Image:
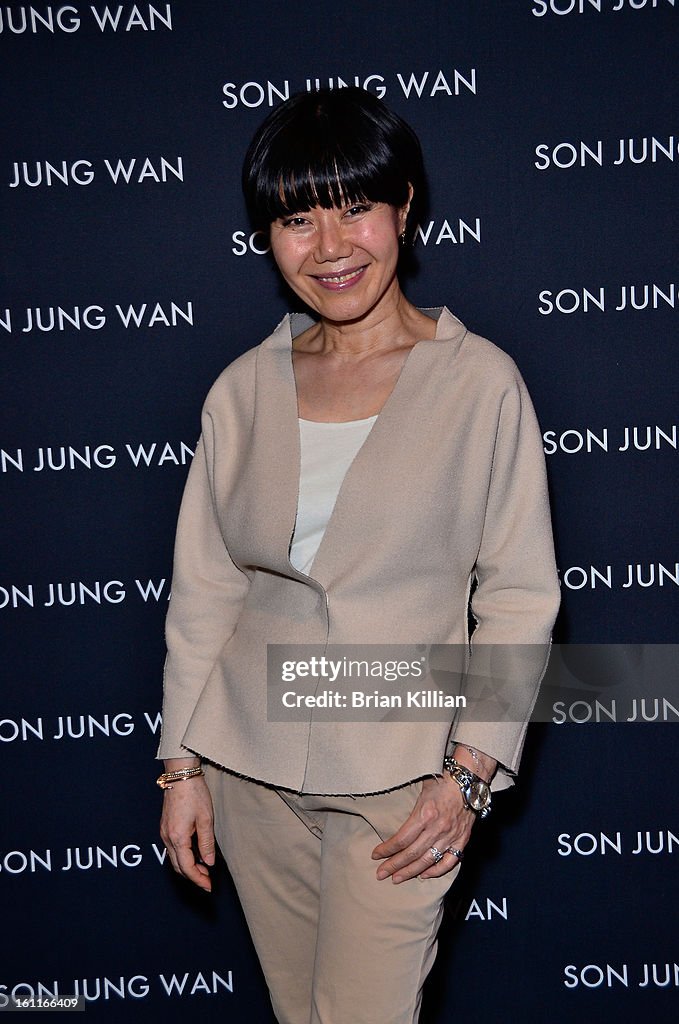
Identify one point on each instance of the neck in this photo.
(394, 323)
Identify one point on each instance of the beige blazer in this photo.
(448, 488)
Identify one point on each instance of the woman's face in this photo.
(342, 261)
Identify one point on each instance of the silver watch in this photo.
(475, 791)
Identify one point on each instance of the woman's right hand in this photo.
(187, 811)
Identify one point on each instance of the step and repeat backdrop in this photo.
(551, 139)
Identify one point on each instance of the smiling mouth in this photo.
(340, 279)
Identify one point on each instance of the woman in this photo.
(358, 473)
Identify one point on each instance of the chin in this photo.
(342, 307)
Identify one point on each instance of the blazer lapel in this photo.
(370, 480)
(273, 468)
(274, 460)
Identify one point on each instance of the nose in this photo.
(332, 242)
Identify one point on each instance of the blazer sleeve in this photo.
(208, 591)
(516, 596)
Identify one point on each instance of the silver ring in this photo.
(436, 854)
(456, 853)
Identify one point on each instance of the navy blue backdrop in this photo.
(551, 138)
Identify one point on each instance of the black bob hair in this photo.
(329, 148)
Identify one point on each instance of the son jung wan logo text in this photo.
(78, 593)
(562, 7)
(440, 231)
(57, 458)
(136, 986)
(649, 149)
(92, 317)
(625, 298)
(22, 19)
(573, 441)
(413, 85)
(634, 575)
(109, 724)
(118, 170)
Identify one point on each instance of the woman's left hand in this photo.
(439, 820)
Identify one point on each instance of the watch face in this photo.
(479, 796)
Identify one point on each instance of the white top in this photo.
(326, 452)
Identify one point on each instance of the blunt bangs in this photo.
(329, 148)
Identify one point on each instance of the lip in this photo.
(341, 280)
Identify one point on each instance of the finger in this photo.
(205, 837)
(169, 847)
(408, 834)
(196, 873)
(414, 868)
(421, 859)
(422, 816)
(435, 865)
(448, 862)
(419, 848)
(182, 857)
(417, 854)
(172, 857)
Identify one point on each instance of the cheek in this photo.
(384, 235)
(286, 254)
(384, 243)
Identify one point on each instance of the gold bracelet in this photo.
(180, 775)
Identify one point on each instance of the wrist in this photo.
(475, 760)
(173, 764)
(181, 772)
(475, 790)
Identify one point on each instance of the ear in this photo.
(404, 210)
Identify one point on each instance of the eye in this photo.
(294, 221)
(357, 208)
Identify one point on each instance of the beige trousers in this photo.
(336, 946)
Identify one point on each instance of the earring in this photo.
(402, 237)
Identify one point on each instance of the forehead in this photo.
(310, 190)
